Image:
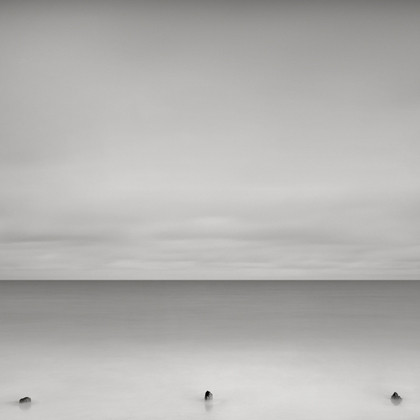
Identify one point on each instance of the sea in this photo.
(121, 350)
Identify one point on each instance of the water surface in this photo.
(137, 350)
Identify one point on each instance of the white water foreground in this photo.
(267, 350)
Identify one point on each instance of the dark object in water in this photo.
(25, 400)
(208, 395)
(395, 398)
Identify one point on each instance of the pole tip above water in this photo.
(395, 398)
(208, 395)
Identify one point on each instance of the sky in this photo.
(209, 140)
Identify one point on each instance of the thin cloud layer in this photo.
(214, 238)
(209, 140)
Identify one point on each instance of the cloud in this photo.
(54, 237)
(143, 140)
(217, 235)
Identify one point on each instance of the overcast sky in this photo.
(209, 139)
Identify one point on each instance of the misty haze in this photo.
(173, 140)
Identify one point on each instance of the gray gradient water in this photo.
(137, 350)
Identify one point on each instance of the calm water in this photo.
(267, 350)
